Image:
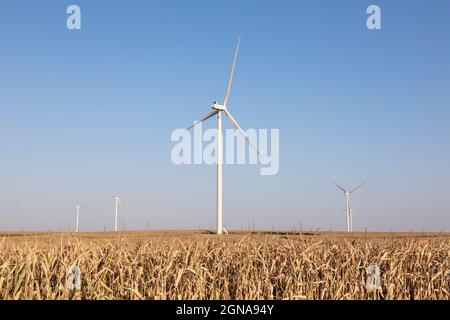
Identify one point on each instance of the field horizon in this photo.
(231, 233)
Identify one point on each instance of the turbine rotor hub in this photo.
(218, 107)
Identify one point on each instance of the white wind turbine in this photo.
(77, 207)
(218, 109)
(348, 209)
(116, 211)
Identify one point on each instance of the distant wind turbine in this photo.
(116, 211)
(348, 209)
(77, 207)
(218, 109)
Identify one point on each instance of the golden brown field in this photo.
(197, 265)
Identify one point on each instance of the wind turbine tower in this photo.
(348, 209)
(219, 110)
(116, 211)
(77, 207)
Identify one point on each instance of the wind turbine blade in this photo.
(339, 186)
(236, 125)
(358, 187)
(230, 80)
(209, 115)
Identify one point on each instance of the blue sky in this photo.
(89, 113)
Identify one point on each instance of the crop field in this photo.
(197, 265)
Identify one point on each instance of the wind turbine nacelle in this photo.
(219, 107)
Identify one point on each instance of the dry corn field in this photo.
(200, 266)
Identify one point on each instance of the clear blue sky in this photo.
(86, 114)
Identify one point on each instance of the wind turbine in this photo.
(117, 205)
(348, 209)
(219, 109)
(77, 207)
